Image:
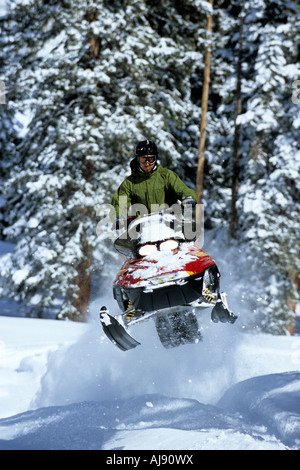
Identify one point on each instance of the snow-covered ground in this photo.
(65, 386)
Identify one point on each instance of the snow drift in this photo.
(234, 391)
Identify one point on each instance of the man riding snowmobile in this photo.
(150, 184)
(153, 186)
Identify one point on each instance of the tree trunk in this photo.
(84, 280)
(201, 159)
(84, 276)
(292, 302)
(236, 142)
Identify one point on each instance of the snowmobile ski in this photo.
(116, 332)
(221, 312)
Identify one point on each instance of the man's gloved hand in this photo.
(119, 223)
(188, 201)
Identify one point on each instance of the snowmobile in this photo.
(165, 276)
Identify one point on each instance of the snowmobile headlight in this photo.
(175, 278)
(168, 245)
(146, 250)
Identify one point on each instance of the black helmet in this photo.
(146, 147)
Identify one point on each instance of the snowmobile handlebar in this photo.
(154, 228)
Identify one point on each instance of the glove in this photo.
(119, 223)
(188, 201)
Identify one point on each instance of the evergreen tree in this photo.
(9, 125)
(269, 193)
(268, 196)
(95, 77)
(220, 116)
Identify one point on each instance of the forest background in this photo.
(83, 81)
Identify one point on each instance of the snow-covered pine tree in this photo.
(270, 191)
(9, 125)
(95, 78)
(51, 190)
(8, 142)
(268, 205)
(220, 116)
(149, 54)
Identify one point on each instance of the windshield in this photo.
(156, 227)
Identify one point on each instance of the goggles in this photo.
(147, 158)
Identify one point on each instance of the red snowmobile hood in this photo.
(186, 261)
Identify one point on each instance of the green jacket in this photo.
(162, 186)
